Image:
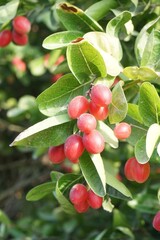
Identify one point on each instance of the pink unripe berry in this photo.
(156, 221)
(94, 200)
(100, 113)
(101, 95)
(77, 106)
(56, 154)
(93, 142)
(21, 24)
(82, 207)
(5, 38)
(122, 130)
(73, 147)
(78, 194)
(19, 39)
(86, 122)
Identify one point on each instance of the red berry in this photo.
(94, 200)
(56, 154)
(19, 39)
(55, 77)
(82, 207)
(21, 24)
(122, 130)
(78, 194)
(93, 142)
(101, 95)
(77, 106)
(5, 38)
(19, 64)
(73, 147)
(100, 113)
(59, 60)
(135, 171)
(156, 221)
(86, 122)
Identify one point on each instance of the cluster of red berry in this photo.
(82, 198)
(21, 27)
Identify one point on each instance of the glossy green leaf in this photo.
(108, 134)
(118, 108)
(126, 231)
(8, 11)
(151, 51)
(63, 187)
(153, 135)
(55, 176)
(100, 9)
(149, 104)
(142, 73)
(140, 151)
(115, 188)
(133, 112)
(52, 131)
(40, 191)
(55, 99)
(142, 39)
(93, 171)
(73, 18)
(90, 64)
(60, 39)
(4, 218)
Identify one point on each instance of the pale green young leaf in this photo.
(142, 73)
(153, 135)
(140, 151)
(8, 11)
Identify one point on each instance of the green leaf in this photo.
(55, 99)
(142, 39)
(126, 231)
(60, 39)
(75, 19)
(153, 135)
(142, 73)
(40, 191)
(115, 188)
(140, 151)
(63, 187)
(133, 112)
(108, 134)
(55, 176)
(158, 149)
(4, 218)
(149, 104)
(8, 11)
(49, 132)
(100, 9)
(118, 108)
(151, 51)
(93, 171)
(107, 205)
(36, 66)
(90, 63)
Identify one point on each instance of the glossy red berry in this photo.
(135, 171)
(78, 194)
(19, 39)
(156, 221)
(56, 154)
(100, 113)
(122, 130)
(77, 106)
(21, 24)
(5, 38)
(94, 200)
(82, 207)
(73, 147)
(93, 142)
(101, 95)
(86, 122)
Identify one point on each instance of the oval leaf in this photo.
(118, 108)
(140, 151)
(152, 137)
(40, 191)
(142, 73)
(8, 11)
(60, 39)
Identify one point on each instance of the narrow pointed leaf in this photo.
(90, 64)
(49, 132)
(140, 151)
(73, 18)
(60, 39)
(118, 108)
(153, 135)
(93, 172)
(55, 99)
